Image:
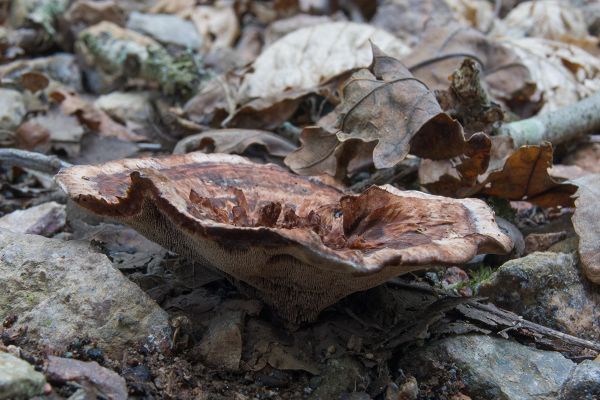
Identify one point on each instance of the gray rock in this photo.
(64, 290)
(547, 288)
(584, 382)
(221, 344)
(12, 109)
(340, 376)
(127, 106)
(18, 379)
(44, 219)
(165, 28)
(492, 368)
(107, 382)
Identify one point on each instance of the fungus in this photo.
(302, 244)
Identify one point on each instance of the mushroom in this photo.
(302, 244)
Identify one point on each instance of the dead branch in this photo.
(31, 160)
(557, 126)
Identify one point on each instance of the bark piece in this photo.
(302, 244)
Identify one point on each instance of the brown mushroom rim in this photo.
(237, 203)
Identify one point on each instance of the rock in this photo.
(127, 106)
(165, 28)
(44, 219)
(221, 344)
(341, 375)
(107, 382)
(18, 379)
(547, 288)
(12, 109)
(584, 382)
(492, 368)
(63, 290)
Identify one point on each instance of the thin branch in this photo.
(558, 126)
(513, 320)
(31, 160)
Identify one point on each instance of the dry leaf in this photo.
(585, 222)
(302, 244)
(234, 141)
(387, 107)
(306, 58)
(34, 81)
(218, 25)
(32, 136)
(407, 19)
(443, 48)
(92, 117)
(519, 175)
(563, 73)
(547, 19)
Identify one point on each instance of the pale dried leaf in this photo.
(563, 73)
(547, 19)
(306, 58)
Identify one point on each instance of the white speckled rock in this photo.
(64, 290)
(18, 379)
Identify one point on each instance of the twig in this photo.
(35, 161)
(513, 320)
(389, 175)
(557, 126)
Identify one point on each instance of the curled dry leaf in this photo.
(548, 19)
(304, 245)
(234, 141)
(519, 175)
(563, 73)
(92, 117)
(385, 107)
(443, 48)
(585, 222)
(306, 58)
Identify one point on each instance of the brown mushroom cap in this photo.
(303, 244)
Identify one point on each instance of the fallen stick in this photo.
(508, 320)
(31, 160)
(558, 126)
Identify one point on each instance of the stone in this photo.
(221, 344)
(584, 382)
(549, 289)
(165, 28)
(492, 368)
(12, 109)
(44, 219)
(127, 106)
(63, 291)
(107, 382)
(18, 379)
(341, 376)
